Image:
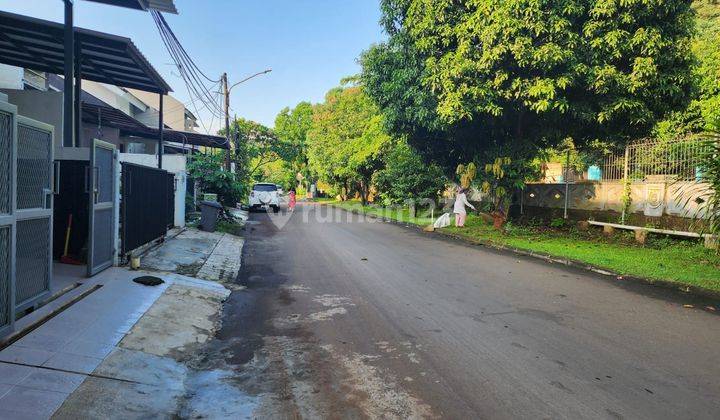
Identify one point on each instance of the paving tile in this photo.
(88, 348)
(52, 380)
(4, 388)
(18, 354)
(39, 404)
(73, 362)
(7, 414)
(43, 341)
(103, 337)
(14, 374)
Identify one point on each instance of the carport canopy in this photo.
(167, 6)
(39, 45)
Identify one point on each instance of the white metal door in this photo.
(101, 176)
(33, 212)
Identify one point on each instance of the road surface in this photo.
(353, 318)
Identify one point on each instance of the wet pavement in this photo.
(350, 319)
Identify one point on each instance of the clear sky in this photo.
(309, 44)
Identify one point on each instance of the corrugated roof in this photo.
(38, 44)
(167, 6)
(95, 111)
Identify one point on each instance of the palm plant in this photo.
(708, 200)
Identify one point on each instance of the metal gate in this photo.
(143, 208)
(8, 117)
(101, 179)
(33, 212)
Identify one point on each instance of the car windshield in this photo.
(264, 187)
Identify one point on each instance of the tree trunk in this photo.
(363, 193)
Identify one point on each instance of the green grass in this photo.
(401, 214)
(685, 262)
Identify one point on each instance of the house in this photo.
(66, 191)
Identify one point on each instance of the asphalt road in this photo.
(352, 319)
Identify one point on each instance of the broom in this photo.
(65, 258)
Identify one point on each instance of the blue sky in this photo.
(309, 44)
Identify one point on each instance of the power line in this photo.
(189, 71)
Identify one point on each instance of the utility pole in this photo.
(226, 92)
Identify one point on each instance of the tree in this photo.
(405, 176)
(346, 140)
(208, 171)
(483, 74)
(256, 147)
(291, 128)
(704, 109)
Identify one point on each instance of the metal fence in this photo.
(144, 205)
(678, 159)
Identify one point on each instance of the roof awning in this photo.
(166, 6)
(38, 45)
(102, 115)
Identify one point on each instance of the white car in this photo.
(265, 195)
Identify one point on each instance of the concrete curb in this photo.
(665, 284)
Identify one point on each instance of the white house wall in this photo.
(11, 77)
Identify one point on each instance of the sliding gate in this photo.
(145, 205)
(26, 161)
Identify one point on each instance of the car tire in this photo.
(276, 209)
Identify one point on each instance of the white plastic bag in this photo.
(442, 221)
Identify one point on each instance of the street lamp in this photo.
(227, 109)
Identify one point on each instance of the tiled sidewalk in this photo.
(223, 264)
(39, 371)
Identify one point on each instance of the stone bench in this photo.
(641, 233)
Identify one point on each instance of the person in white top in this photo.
(459, 208)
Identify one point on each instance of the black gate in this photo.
(144, 205)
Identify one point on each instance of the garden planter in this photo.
(498, 220)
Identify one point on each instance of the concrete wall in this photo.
(653, 199)
(11, 77)
(41, 106)
(180, 191)
(171, 163)
(173, 110)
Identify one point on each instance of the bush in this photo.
(557, 222)
(406, 176)
(208, 171)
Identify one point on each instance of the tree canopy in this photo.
(346, 139)
(291, 128)
(483, 74)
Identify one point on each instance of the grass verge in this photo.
(687, 263)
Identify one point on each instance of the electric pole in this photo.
(226, 92)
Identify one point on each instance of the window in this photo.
(264, 187)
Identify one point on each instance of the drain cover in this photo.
(149, 280)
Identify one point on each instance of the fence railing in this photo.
(678, 159)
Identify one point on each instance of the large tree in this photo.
(291, 127)
(704, 110)
(466, 76)
(346, 140)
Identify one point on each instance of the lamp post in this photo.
(227, 90)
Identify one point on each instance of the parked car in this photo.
(264, 195)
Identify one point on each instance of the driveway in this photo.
(345, 317)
